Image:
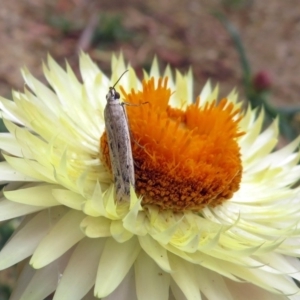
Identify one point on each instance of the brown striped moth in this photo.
(118, 137)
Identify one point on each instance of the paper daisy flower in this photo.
(213, 214)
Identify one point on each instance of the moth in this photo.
(119, 143)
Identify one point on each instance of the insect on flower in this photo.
(120, 152)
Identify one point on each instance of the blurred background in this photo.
(251, 45)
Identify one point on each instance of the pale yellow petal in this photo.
(95, 227)
(115, 262)
(30, 168)
(11, 112)
(125, 290)
(68, 198)
(247, 291)
(38, 195)
(81, 270)
(212, 285)
(44, 281)
(185, 277)
(23, 281)
(118, 232)
(157, 252)
(10, 210)
(8, 174)
(61, 237)
(154, 70)
(26, 239)
(151, 281)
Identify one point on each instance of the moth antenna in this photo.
(119, 79)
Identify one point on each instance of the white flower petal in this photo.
(185, 277)
(43, 93)
(23, 281)
(68, 198)
(88, 69)
(118, 231)
(248, 291)
(8, 174)
(212, 285)
(11, 112)
(118, 67)
(151, 281)
(265, 281)
(182, 97)
(263, 144)
(154, 70)
(38, 195)
(96, 227)
(95, 206)
(90, 296)
(177, 293)
(207, 94)
(10, 210)
(80, 273)
(29, 168)
(45, 280)
(115, 262)
(156, 252)
(62, 237)
(126, 289)
(10, 145)
(28, 236)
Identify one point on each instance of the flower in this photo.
(214, 213)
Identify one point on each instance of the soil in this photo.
(181, 33)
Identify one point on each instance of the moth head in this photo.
(112, 94)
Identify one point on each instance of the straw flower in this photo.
(213, 214)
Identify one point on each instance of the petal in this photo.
(27, 237)
(209, 280)
(125, 290)
(118, 67)
(184, 89)
(23, 281)
(45, 94)
(177, 293)
(118, 232)
(88, 69)
(267, 281)
(44, 281)
(9, 144)
(147, 271)
(29, 168)
(38, 195)
(158, 253)
(115, 262)
(206, 92)
(81, 270)
(135, 221)
(247, 291)
(8, 173)
(62, 237)
(96, 227)
(90, 296)
(95, 207)
(10, 210)
(68, 198)
(154, 70)
(10, 111)
(185, 277)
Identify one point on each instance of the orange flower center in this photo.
(184, 159)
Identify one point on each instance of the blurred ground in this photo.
(181, 33)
